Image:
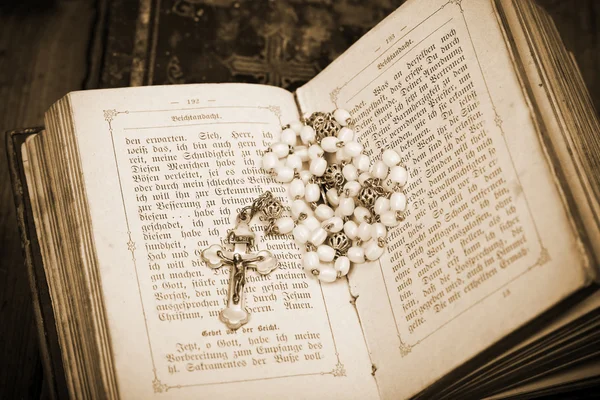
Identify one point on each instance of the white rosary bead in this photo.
(345, 134)
(398, 201)
(356, 254)
(382, 204)
(294, 162)
(353, 148)
(312, 192)
(296, 126)
(298, 208)
(350, 172)
(333, 197)
(399, 175)
(378, 230)
(352, 188)
(351, 230)
(362, 178)
(285, 174)
(341, 116)
(327, 274)
(288, 136)
(346, 206)
(330, 144)
(342, 265)
(388, 218)
(305, 175)
(270, 161)
(284, 225)
(362, 162)
(318, 236)
(326, 253)
(364, 231)
(318, 166)
(379, 170)
(341, 156)
(280, 149)
(296, 189)
(323, 212)
(311, 262)
(373, 250)
(311, 223)
(333, 224)
(361, 214)
(391, 158)
(301, 234)
(307, 134)
(315, 151)
(302, 152)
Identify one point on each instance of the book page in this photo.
(166, 170)
(487, 243)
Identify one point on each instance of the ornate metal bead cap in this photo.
(324, 125)
(340, 243)
(333, 177)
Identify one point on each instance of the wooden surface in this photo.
(44, 53)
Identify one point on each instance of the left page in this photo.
(166, 170)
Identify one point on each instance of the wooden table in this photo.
(45, 52)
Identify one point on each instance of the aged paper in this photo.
(166, 170)
(487, 244)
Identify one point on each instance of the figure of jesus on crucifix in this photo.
(239, 259)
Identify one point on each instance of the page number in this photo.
(390, 38)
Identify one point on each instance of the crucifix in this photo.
(238, 260)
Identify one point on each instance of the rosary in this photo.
(342, 206)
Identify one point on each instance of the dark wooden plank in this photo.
(43, 53)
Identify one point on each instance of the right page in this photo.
(488, 243)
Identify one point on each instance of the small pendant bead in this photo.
(327, 274)
(345, 134)
(388, 218)
(346, 206)
(330, 144)
(302, 152)
(311, 223)
(311, 262)
(362, 163)
(323, 212)
(306, 176)
(296, 126)
(379, 170)
(318, 166)
(382, 204)
(284, 225)
(332, 197)
(363, 177)
(296, 189)
(362, 214)
(341, 116)
(398, 201)
(350, 172)
(294, 162)
(373, 251)
(342, 265)
(307, 134)
(356, 254)
(342, 157)
(301, 234)
(326, 253)
(285, 174)
(280, 149)
(318, 236)
(364, 231)
(288, 136)
(353, 148)
(399, 175)
(299, 208)
(351, 230)
(312, 192)
(378, 231)
(270, 161)
(352, 188)
(391, 158)
(315, 151)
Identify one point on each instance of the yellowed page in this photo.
(487, 244)
(166, 169)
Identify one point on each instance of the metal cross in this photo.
(239, 259)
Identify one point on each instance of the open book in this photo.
(486, 289)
